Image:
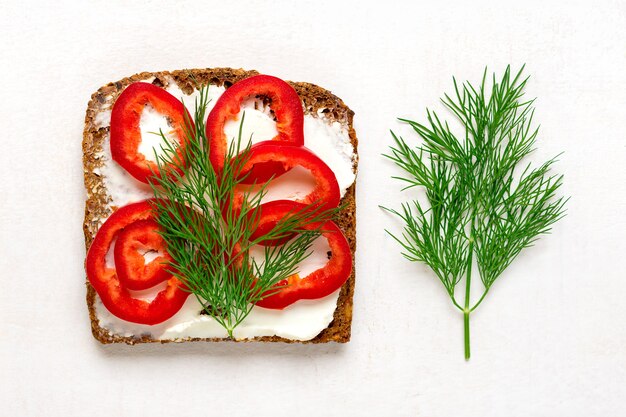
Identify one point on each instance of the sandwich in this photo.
(156, 268)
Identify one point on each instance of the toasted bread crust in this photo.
(97, 208)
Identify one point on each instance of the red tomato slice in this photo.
(287, 108)
(126, 133)
(114, 294)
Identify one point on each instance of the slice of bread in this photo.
(315, 100)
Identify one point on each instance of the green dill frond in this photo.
(480, 208)
(210, 250)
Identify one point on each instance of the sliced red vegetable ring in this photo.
(137, 238)
(269, 214)
(319, 283)
(287, 108)
(114, 294)
(126, 133)
(326, 191)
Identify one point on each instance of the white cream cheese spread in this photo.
(304, 319)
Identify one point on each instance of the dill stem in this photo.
(466, 310)
(466, 332)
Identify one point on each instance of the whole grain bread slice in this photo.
(97, 208)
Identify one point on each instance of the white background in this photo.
(550, 340)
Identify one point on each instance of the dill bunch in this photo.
(483, 205)
(209, 241)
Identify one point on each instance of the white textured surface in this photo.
(549, 341)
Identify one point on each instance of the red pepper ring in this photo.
(126, 133)
(319, 283)
(287, 108)
(271, 213)
(130, 264)
(113, 293)
(326, 191)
